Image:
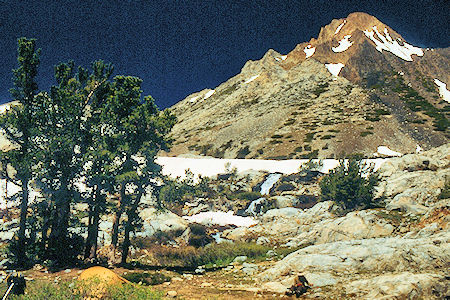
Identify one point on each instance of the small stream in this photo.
(268, 184)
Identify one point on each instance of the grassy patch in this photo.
(213, 254)
(250, 196)
(74, 290)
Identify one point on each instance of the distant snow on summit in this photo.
(334, 68)
(309, 51)
(385, 42)
(339, 27)
(344, 44)
(251, 78)
(445, 94)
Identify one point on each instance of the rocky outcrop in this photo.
(413, 183)
(346, 263)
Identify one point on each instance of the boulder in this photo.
(405, 285)
(249, 269)
(376, 255)
(287, 212)
(284, 201)
(161, 221)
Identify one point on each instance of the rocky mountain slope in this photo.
(357, 86)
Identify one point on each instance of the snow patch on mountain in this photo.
(344, 44)
(309, 51)
(334, 68)
(445, 94)
(385, 42)
(251, 78)
(281, 58)
(383, 150)
(209, 94)
(339, 27)
(202, 97)
(194, 99)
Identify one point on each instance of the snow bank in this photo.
(221, 218)
(339, 27)
(309, 51)
(385, 42)
(209, 167)
(334, 68)
(445, 94)
(386, 151)
(344, 44)
(251, 78)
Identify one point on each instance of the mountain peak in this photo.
(357, 86)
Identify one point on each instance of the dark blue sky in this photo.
(180, 47)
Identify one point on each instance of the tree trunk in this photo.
(126, 240)
(120, 207)
(132, 214)
(21, 242)
(94, 219)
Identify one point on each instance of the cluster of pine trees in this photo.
(89, 127)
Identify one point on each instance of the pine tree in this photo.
(71, 107)
(350, 185)
(20, 124)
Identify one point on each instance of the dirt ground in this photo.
(221, 284)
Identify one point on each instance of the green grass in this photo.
(210, 255)
(74, 290)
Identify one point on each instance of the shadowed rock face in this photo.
(291, 106)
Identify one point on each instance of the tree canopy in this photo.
(89, 130)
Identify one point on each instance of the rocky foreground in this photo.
(399, 250)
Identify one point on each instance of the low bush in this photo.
(250, 196)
